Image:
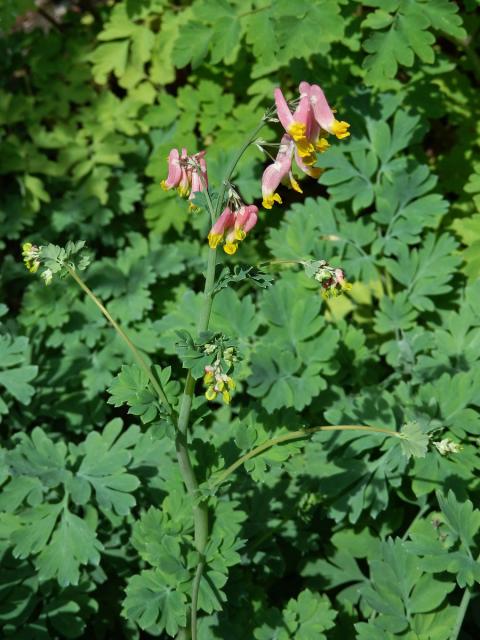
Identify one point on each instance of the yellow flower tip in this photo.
(33, 267)
(306, 150)
(347, 286)
(231, 383)
(208, 378)
(322, 145)
(340, 129)
(294, 185)
(270, 200)
(164, 185)
(240, 234)
(230, 248)
(220, 385)
(226, 397)
(210, 394)
(26, 247)
(214, 239)
(298, 131)
(183, 192)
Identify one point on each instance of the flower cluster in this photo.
(232, 226)
(307, 124)
(187, 174)
(31, 258)
(332, 280)
(306, 130)
(216, 378)
(446, 446)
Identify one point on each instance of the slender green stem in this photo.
(211, 208)
(462, 610)
(195, 591)
(234, 162)
(268, 262)
(295, 435)
(139, 359)
(200, 513)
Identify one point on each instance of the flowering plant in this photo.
(214, 356)
(157, 477)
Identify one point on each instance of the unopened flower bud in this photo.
(209, 348)
(47, 276)
(210, 394)
(446, 446)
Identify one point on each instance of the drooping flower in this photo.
(280, 171)
(276, 172)
(186, 173)
(233, 225)
(245, 219)
(325, 116)
(306, 130)
(174, 171)
(217, 382)
(31, 254)
(297, 124)
(32, 258)
(199, 176)
(224, 222)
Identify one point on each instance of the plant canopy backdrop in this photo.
(200, 437)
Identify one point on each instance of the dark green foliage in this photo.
(338, 535)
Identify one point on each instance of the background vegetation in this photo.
(343, 537)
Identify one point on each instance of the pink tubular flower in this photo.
(296, 125)
(232, 227)
(276, 172)
(187, 174)
(224, 222)
(313, 172)
(307, 128)
(199, 176)
(245, 219)
(183, 187)
(174, 171)
(324, 114)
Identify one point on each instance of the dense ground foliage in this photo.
(341, 536)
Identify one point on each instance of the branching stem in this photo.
(295, 435)
(139, 359)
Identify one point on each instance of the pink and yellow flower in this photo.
(324, 115)
(297, 124)
(275, 173)
(232, 227)
(187, 174)
(306, 129)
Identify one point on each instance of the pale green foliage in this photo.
(402, 33)
(414, 441)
